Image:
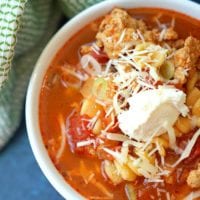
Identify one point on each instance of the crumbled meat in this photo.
(119, 30)
(85, 49)
(188, 55)
(180, 75)
(193, 179)
(118, 20)
(170, 34)
(156, 35)
(116, 26)
(198, 66)
(177, 44)
(151, 35)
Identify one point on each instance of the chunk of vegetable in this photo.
(86, 89)
(90, 108)
(167, 70)
(78, 131)
(98, 88)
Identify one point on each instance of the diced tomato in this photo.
(100, 56)
(78, 131)
(78, 128)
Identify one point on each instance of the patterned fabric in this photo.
(73, 7)
(25, 28)
(10, 14)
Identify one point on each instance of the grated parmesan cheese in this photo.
(92, 121)
(85, 143)
(162, 34)
(121, 37)
(186, 152)
(140, 35)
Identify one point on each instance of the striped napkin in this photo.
(25, 28)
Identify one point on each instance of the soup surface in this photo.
(120, 107)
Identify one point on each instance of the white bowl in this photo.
(60, 38)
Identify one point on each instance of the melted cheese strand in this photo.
(64, 129)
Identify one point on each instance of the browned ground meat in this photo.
(187, 56)
(119, 30)
(85, 49)
(115, 25)
(170, 34)
(177, 44)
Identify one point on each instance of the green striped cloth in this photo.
(25, 28)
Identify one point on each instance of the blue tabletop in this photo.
(20, 176)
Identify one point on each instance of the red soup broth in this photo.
(55, 99)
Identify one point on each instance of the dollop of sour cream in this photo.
(151, 111)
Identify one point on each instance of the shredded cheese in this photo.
(140, 35)
(92, 121)
(115, 154)
(186, 152)
(63, 136)
(121, 37)
(63, 127)
(116, 137)
(85, 143)
(162, 34)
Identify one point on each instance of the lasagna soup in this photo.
(120, 107)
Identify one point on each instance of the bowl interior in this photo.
(60, 38)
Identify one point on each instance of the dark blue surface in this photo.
(20, 176)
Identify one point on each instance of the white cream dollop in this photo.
(151, 111)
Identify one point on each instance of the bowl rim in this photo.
(54, 45)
